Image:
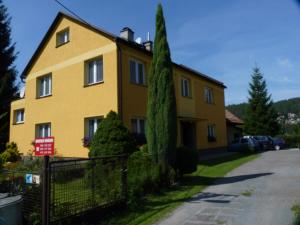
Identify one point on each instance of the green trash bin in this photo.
(11, 210)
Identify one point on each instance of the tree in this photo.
(8, 74)
(111, 138)
(161, 110)
(261, 117)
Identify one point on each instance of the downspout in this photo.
(119, 80)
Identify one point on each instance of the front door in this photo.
(188, 134)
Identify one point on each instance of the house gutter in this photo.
(119, 79)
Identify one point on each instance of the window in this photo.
(139, 130)
(137, 72)
(211, 132)
(208, 92)
(92, 126)
(19, 116)
(62, 37)
(185, 87)
(43, 130)
(44, 85)
(94, 71)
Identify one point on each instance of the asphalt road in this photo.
(260, 192)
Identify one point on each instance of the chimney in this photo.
(127, 34)
(148, 45)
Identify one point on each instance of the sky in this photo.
(223, 39)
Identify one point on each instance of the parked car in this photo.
(278, 143)
(265, 142)
(244, 144)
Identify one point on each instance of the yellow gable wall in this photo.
(134, 100)
(70, 102)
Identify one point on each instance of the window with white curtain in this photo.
(45, 85)
(137, 72)
(19, 116)
(209, 98)
(94, 71)
(92, 125)
(62, 37)
(43, 130)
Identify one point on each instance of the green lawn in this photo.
(155, 207)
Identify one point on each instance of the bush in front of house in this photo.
(186, 161)
(111, 138)
(143, 176)
(11, 153)
(292, 141)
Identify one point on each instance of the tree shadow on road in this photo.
(202, 180)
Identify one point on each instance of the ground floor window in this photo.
(43, 130)
(211, 132)
(138, 126)
(92, 126)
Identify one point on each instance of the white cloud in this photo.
(285, 63)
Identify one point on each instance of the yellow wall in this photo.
(70, 102)
(134, 98)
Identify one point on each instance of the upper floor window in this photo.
(137, 72)
(185, 87)
(211, 132)
(62, 37)
(43, 130)
(19, 116)
(209, 97)
(44, 84)
(94, 71)
(92, 125)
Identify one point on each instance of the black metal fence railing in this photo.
(80, 185)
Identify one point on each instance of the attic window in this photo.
(62, 37)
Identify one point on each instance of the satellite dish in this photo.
(22, 92)
(138, 40)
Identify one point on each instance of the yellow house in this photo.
(79, 73)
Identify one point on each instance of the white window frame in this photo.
(138, 125)
(96, 121)
(135, 78)
(19, 116)
(94, 63)
(211, 130)
(62, 37)
(185, 87)
(209, 97)
(43, 130)
(44, 83)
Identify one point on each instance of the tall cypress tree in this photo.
(161, 110)
(261, 117)
(8, 74)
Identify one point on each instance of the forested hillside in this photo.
(284, 107)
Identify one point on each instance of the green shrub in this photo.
(186, 160)
(292, 141)
(11, 153)
(143, 176)
(111, 138)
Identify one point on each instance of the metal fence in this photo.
(74, 188)
(81, 185)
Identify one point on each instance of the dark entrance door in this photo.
(188, 134)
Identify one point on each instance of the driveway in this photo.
(260, 192)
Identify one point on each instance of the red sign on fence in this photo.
(44, 146)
